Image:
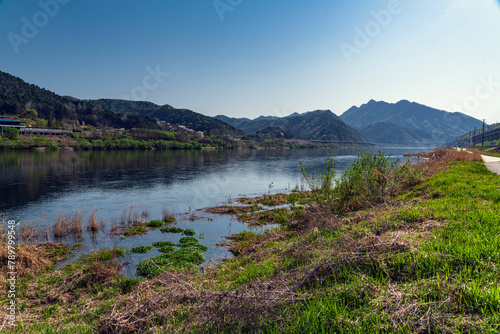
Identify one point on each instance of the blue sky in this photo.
(245, 58)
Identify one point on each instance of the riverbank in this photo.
(140, 139)
(419, 252)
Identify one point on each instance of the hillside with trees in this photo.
(43, 108)
(314, 125)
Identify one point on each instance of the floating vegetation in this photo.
(189, 240)
(135, 230)
(155, 223)
(166, 249)
(189, 231)
(160, 244)
(168, 217)
(142, 249)
(172, 230)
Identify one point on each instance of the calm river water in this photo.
(35, 186)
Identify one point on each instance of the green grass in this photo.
(450, 275)
(134, 230)
(155, 223)
(425, 261)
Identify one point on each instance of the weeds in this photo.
(155, 223)
(168, 217)
(93, 223)
(134, 230)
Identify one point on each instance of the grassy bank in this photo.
(390, 249)
(492, 151)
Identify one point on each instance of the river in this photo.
(36, 186)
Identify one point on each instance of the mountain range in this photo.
(403, 123)
(408, 123)
(313, 125)
(16, 96)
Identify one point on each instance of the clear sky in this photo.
(245, 58)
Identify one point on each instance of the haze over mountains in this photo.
(408, 123)
(403, 123)
(314, 125)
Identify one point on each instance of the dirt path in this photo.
(492, 163)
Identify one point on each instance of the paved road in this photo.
(492, 163)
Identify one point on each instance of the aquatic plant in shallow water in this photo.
(155, 223)
(160, 244)
(171, 230)
(142, 249)
(189, 231)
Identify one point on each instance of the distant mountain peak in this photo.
(434, 127)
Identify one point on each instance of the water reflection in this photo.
(44, 183)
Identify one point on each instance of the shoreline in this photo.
(352, 264)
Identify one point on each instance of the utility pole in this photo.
(474, 138)
(482, 140)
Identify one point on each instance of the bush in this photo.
(11, 133)
(52, 146)
(371, 179)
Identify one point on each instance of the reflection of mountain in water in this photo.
(29, 176)
(33, 177)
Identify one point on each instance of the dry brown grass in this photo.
(167, 216)
(33, 232)
(61, 226)
(76, 226)
(93, 223)
(438, 158)
(30, 259)
(68, 225)
(145, 214)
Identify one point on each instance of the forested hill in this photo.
(20, 98)
(314, 125)
(189, 118)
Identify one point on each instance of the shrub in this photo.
(11, 133)
(52, 146)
